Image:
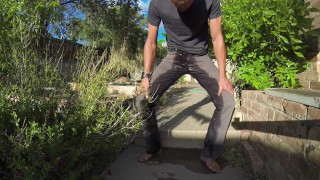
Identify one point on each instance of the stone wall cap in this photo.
(306, 97)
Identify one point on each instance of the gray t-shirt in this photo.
(188, 30)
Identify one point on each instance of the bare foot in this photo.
(146, 157)
(211, 164)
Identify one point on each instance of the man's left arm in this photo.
(220, 54)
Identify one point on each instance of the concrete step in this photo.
(184, 120)
(186, 140)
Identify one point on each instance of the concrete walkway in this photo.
(172, 164)
(183, 123)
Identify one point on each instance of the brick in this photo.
(297, 145)
(279, 129)
(301, 130)
(315, 3)
(281, 116)
(306, 169)
(244, 94)
(246, 118)
(277, 169)
(263, 111)
(310, 173)
(252, 95)
(256, 107)
(275, 102)
(262, 98)
(283, 149)
(268, 112)
(305, 84)
(260, 148)
(313, 133)
(250, 113)
(295, 109)
(285, 120)
(289, 169)
(256, 162)
(313, 113)
(290, 177)
(244, 110)
(271, 128)
(243, 101)
(263, 154)
(313, 155)
(248, 103)
(244, 135)
(269, 139)
(311, 76)
(313, 66)
(290, 132)
(256, 126)
(314, 143)
(262, 120)
(252, 138)
(302, 76)
(315, 85)
(261, 137)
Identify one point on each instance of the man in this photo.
(186, 25)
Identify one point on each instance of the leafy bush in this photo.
(264, 40)
(48, 130)
(161, 49)
(55, 133)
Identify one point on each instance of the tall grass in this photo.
(56, 133)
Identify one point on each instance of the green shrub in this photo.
(47, 130)
(161, 50)
(264, 41)
(56, 133)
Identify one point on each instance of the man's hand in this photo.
(144, 87)
(225, 84)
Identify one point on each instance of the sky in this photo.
(144, 4)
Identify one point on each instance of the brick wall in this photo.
(310, 78)
(285, 134)
(315, 15)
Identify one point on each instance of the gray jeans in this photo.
(175, 65)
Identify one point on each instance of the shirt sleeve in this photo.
(214, 10)
(153, 16)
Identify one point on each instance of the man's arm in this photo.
(149, 54)
(220, 53)
(150, 48)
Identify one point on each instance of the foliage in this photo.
(161, 49)
(47, 130)
(55, 133)
(17, 16)
(264, 41)
(120, 65)
(103, 24)
(181, 80)
(235, 156)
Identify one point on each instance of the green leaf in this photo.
(299, 54)
(295, 40)
(297, 47)
(284, 39)
(270, 13)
